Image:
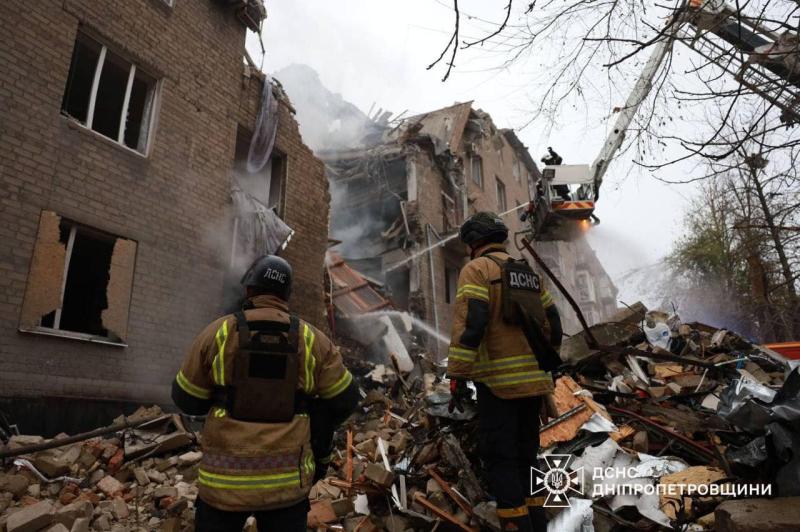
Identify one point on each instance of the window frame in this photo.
(501, 187)
(54, 330)
(150, 106)
(450, 272)
(475, 158)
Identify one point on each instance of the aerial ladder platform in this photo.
(763, 61)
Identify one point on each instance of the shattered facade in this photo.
(577, 267)
(393, 200)
(123, 124)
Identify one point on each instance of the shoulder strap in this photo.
(244, 329)
(294, 327)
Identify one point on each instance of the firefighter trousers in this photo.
(289, 519)
(508, 445)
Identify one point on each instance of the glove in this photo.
(458, 392)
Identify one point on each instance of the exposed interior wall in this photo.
(500, 160)
(306, 204)
(566, 260)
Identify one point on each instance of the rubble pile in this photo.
(664, 424)
(693, 411)
(658, 424)
(404, 461)
(140, 478)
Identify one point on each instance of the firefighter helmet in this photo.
(270, 274)
(483, 226)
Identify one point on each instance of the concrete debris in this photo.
(31, 518)
(118, 493)
(709, 411)
(702, 416)
(755, 515)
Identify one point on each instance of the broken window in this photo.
(450, 284)
(502, 204)
(585, 287)
(267, 186)
(258, 205)
(79, 283)
(477, 170)
(109, 94)
(449, 214)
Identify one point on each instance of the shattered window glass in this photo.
(80, 281)
(109, 94)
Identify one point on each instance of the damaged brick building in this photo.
(123, 126)
(411, 189)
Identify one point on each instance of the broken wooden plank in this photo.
(449, 491)
(420, 498)
(452, 452)
(349, 462)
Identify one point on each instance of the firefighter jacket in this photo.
(484, 348)
(252, 466)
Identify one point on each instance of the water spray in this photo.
(427, 329)
(442, 243)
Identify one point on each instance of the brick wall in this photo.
(498, 163)
(306, 205)
(499, 158)
(174, 203)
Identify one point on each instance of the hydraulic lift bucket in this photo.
(575, 210)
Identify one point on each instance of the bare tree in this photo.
(742, 235)
(730, 56)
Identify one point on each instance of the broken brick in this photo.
(31, 518)
(379, 475)
(110, 486)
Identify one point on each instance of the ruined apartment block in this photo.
(411, 188)
(123, 126)
(582, 274)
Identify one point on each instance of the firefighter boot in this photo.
(536, 513)
(514, 519)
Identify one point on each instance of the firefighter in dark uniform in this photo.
(274, 389)
(505, 327)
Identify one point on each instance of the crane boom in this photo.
(771, 70)
(639, 93)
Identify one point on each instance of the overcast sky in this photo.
(376, 51)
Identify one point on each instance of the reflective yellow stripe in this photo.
(337, 387)
(462, 355)
(473, 290)
(546, 298)
(310, 362)
(510, 513)
(475, 287)
(218, 366)
(191, 389)
(219, 412)
(527, 367)
(309, 464)
(534, 501)
(249, 482)
(505, 361)
(516, 378)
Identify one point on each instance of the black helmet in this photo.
(483, 226)
(271, 274)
